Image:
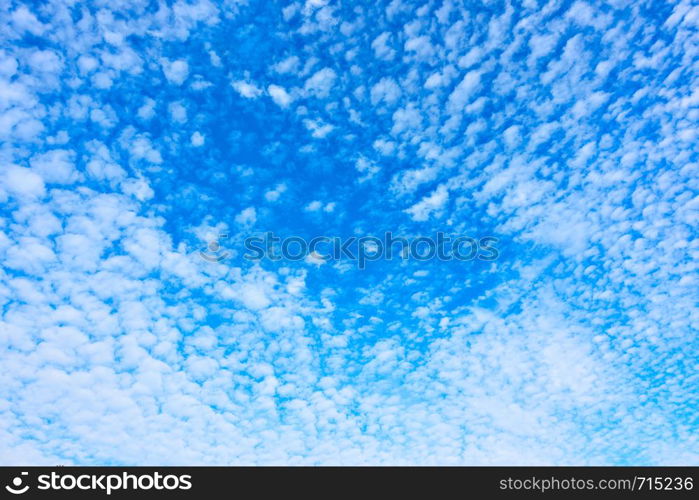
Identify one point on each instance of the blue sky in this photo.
(132, 133)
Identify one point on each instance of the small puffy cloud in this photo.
(197, 139)
(45, 61)
(279, 95)
(247, 217)
(421, 46)
(463, 92)
(317, 206)
(8, 67)
(138, 188)
(175, 71)
(366, 167)
(215, 59)
(432, 204)
(146, 246)
(141, 148)
(56, 166)
(381, 48)
(277, 319)
(102, 80)
(440, 78)
(470, 58)
(254, 296)
(584, 15)
(590, 104)
(433, 81)
(386, 91)
(288, 65)
(313, 206)
(22, 182)
(318, 128)
(178, 112)
(147, 110)
(24, 20)
(512, 136)
(274, 194)
(315, 258)
(542, 45)
(321, 83)
(29, 256)
(407, 118)
(246, 89)
(106, 117)
(101, 165)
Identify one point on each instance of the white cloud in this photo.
(147, 110)
(247, 89)
(431, 205)
(178, 112)
(463, 92)
(382, 50)
(24, 20)
(317, 206)
(274, 194)
(421, 46)
(366, 167)
(138, 188)
(175, 71)
(22, 182)
(254, 296)
(141, 148)
(247, 216)
(386, 90)
(56, 166)
(512, 136)
(101, 165)
(321, 83)
(197, 139)
(318, 129)
(288, 65)
(313, 206)
(279, 95)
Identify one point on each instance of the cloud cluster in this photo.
(131, 135)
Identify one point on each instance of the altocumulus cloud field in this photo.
(133, 134)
